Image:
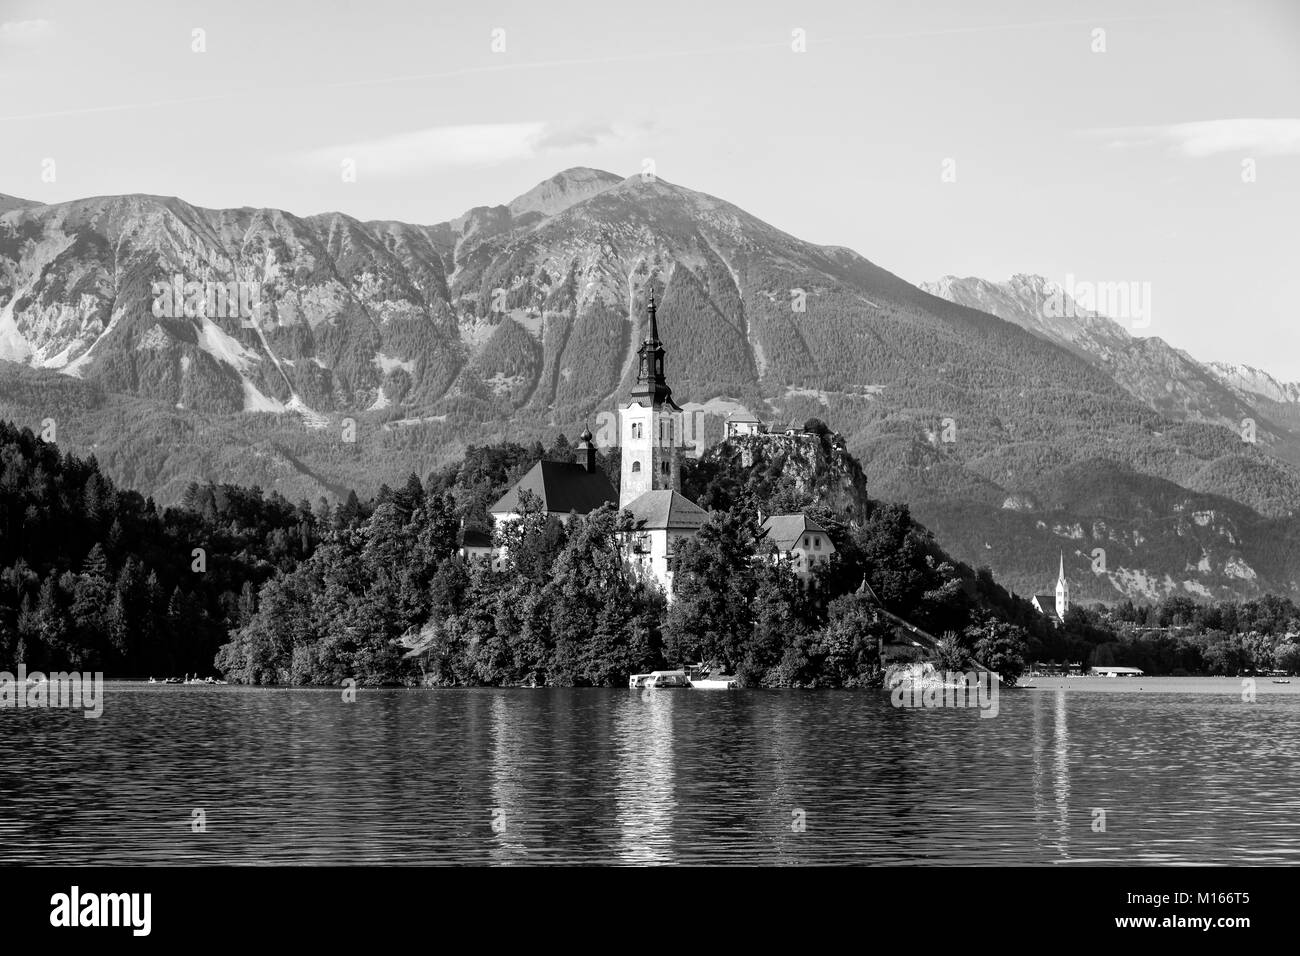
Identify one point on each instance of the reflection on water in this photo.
(1061, 776)
(643, 776)
(509, 814)
(610, 776)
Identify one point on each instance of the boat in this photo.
(171, 680)
(715, 683)
(701, 678)
(659, 679)
(1281, 682)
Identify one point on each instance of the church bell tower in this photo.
(650, 424)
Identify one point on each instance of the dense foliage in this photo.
(94, 577)
(99, 578)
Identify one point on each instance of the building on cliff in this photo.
(742, 422)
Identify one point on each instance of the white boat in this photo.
(702, 678)
(720, 683)
(659, 679)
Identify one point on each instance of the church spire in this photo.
(651, 384)
(654, 323)
(1062, 591)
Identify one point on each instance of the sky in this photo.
(1154, 143)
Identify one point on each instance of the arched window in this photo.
(636, 466)
(636, 430)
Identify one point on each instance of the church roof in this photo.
(784, 531)
(742, 415)
(1046, 603)
(564, 487)
(664, 508)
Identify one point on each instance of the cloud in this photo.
(25, 32)
(469, 145)
(1264, 137)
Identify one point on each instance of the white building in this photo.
(800, 541)
(661, 520)
(742, 422)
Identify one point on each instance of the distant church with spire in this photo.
(1055, 606)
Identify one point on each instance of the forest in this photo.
(257, 589)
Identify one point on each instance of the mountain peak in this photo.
(566, 188)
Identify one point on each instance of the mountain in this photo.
(561, 191)
(1162, 377)
(1252, 381)
(370, 349)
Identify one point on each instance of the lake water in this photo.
(1185, 771)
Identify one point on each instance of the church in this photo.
(650, 483)
(650, 480)
(1055, 606)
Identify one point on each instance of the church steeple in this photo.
(651, 384)
(650, 424)
(1062, 590)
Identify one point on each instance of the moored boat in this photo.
(659, 679)
(701, 677)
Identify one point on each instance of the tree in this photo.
(1286, 657)
(710, 617)
(780, 616)
(950, 654)
(593, 604)
(1001, 648)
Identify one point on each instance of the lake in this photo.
(1184, 770)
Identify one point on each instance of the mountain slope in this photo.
(1163, 377)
